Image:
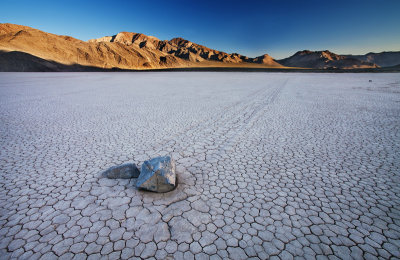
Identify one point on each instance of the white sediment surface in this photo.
(269, 164)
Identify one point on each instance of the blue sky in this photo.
(277, 27)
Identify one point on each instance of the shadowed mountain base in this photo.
(23, 62)
(16, 61)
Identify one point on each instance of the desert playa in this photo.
(284, 165)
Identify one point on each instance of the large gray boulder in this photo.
(158, 175)
(123, 171)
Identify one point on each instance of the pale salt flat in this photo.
(271, 165)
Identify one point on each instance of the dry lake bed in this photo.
(270, 165)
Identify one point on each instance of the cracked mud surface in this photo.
(270, 165)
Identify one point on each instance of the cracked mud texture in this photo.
(270, 165)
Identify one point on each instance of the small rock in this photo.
(158, 175)
(123, 171)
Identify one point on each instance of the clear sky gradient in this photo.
(277, 27)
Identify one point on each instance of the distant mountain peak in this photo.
(178, 39)
(324, 59)
(383, 59)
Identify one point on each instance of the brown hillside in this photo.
(126, 50)
(186, 50)
(68, 50)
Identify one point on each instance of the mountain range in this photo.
(23, 48)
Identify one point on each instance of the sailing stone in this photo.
(158, 175)
(123, 171)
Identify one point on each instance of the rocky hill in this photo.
(184, 49)
(324, 60)
(125, 50)
(69, 51)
